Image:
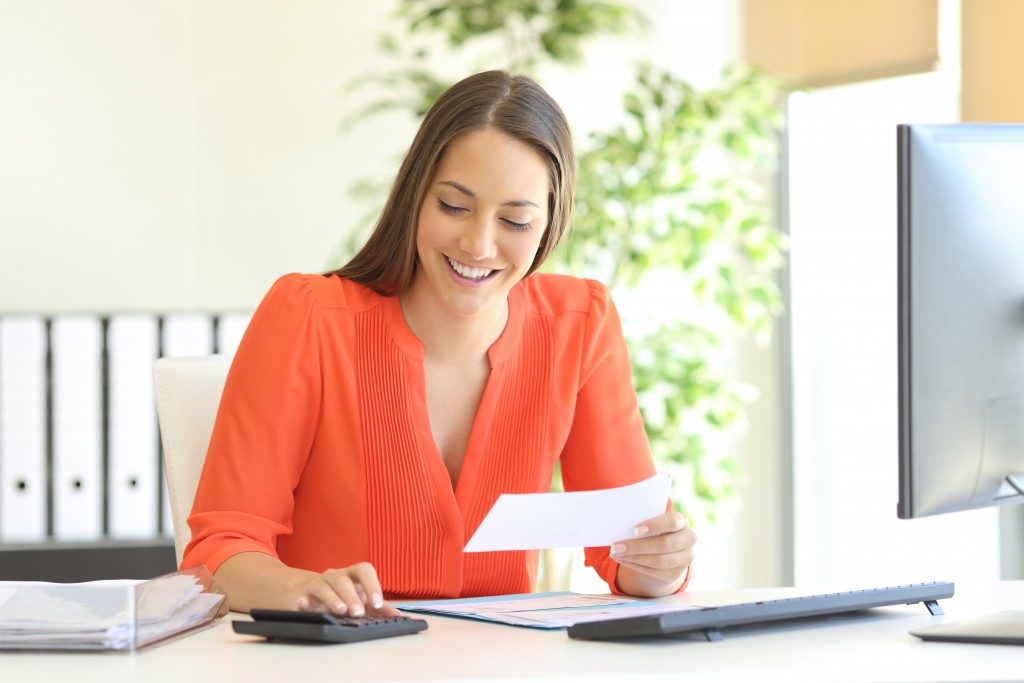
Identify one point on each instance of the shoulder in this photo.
(557, 295)
(581, 318)
(321, 292)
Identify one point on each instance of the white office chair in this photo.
(187, 395)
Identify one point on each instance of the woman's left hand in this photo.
(662, 550)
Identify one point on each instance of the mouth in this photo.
(470, 274)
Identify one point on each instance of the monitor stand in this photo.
(1004, 628)
(1011, 487)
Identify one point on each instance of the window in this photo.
(842, 217)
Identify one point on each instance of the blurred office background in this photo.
(178, 156)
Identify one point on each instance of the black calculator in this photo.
(321, 627)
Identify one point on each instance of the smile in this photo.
(469, 273)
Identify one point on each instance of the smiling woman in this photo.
(374, 414)
(526, 120)
(474, 245)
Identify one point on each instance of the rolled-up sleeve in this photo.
(265, 426)
(607, 444)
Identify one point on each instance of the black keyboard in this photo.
(707, 620)
(321, 627)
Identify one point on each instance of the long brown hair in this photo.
(513, 105)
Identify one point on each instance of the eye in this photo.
(517, 226)
(449, 209)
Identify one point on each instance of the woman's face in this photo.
(481, 222)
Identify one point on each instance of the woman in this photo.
(372, 416)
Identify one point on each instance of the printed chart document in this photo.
(543, 610)
(570, 520)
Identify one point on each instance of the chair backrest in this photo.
(187, 395)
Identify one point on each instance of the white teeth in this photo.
(467, 272)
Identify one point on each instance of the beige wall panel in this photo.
(992, 44)
(826, 42)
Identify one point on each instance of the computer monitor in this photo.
(961, 317)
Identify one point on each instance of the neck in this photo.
(445, 335)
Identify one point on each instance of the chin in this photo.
(463, 307)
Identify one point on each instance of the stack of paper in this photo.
(105, 615)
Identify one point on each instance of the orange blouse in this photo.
(322, 453)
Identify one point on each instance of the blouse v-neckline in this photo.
(503, 347)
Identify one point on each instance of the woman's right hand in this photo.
(354, 590)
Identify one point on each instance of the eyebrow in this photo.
(469, 193)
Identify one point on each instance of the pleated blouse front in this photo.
(322, 453)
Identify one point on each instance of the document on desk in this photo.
(543, 610)
(570, 520)
(106, 615)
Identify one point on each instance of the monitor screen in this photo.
(961, 317)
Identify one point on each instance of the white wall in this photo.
(181, 154)
(175, 154)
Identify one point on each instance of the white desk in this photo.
(872, 646)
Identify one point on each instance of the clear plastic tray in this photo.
(107, 616)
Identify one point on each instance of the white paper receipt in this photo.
(531, 521)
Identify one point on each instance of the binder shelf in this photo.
(81, 472)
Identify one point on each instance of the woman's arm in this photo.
(268, 418)
(608, 447)
(256, 579)
(266, 423)
(632, 582)
(259, 580)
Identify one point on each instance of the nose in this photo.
(478, 239)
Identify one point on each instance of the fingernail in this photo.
(357, 611)
(641, 530)
(378, 600)
(340, 607)
(618, 548)
(302, 603)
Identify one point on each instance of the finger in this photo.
(677, 560)
(387, 610)
(665, 576)
(345, 588)
(366, 576)
(307, 602)
(316, 605)
(662, 524)
(327, 595)
(663, 543)
(384, 610)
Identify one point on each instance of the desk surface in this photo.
(865, 646)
